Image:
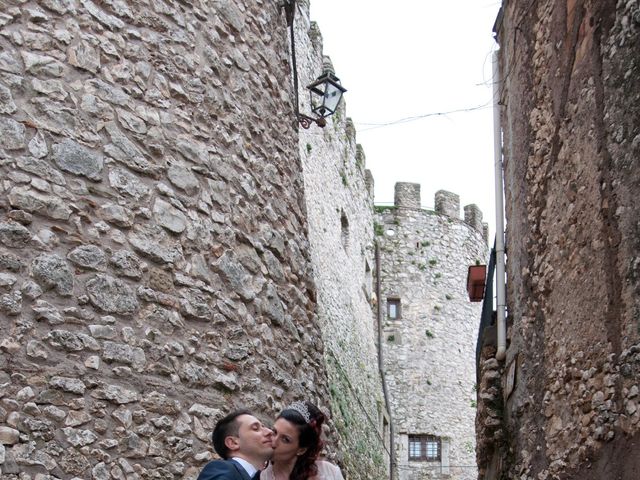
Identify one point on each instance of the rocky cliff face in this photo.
(571, 136)
(154, 260)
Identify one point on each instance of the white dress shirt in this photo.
(250, 469)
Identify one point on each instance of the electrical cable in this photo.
(373, 126)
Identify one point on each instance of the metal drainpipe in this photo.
(392, 448)
(497, 152)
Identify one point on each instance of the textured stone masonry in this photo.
(339, 204)
(569, 103)
(154, 260)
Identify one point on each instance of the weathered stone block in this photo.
(14, 235)
(41, 168)
(72, 157)
(115, 394)
(9, 436)
(7, 105)
(11, 303)
(7, 280)
(195, 304)
(169, 217)
(73, 462)
(40, 203)
(109, 21)
(246, 285)
(127, 183)
(183, 179)
(46, 311)
(84, 56)
(160, 403)
(13, 134)
(9, 63)
(77, 418)
(111, 295)
(126, 152)
(89, 257)
(71, 385)
(154, 245)
(127, 264)
(117, 215)
(53, 272)
(79, 438)
(9, 261)
(36, 349)
(72, 342)
(117, 352)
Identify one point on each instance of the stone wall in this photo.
(154, 259)
(571, 137)
(339, 200)
(489, 426)
(429, 349)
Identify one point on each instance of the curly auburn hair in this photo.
(310, 438)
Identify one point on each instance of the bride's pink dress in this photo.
(326, 471)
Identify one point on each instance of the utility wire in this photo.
(374, 126)
(510, 68)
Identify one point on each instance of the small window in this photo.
(344, 226)
(393, 308)
(368, 281)
(426, 448)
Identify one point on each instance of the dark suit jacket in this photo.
(223, 470)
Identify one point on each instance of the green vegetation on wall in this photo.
(360, 441)
(383, 208)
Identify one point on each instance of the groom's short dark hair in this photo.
(226, 427)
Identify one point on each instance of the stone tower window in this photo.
(344, 223)
(393, 308)
(426, 448)
(368, 280)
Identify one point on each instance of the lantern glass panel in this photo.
(332, 97)
(325, 93)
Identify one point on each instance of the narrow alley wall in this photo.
(571, 120)
(154, 259)
(339, 202)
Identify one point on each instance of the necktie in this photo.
(256, 476)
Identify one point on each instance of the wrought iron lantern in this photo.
(325, 92)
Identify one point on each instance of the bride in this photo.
(296, 445)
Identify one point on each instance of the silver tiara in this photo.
(302, 409)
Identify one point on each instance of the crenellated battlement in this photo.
(407, 195)
(447, 203)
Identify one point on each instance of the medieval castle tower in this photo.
(430, 328)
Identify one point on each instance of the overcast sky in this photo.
(411, 58)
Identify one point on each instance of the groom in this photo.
(244, 444)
